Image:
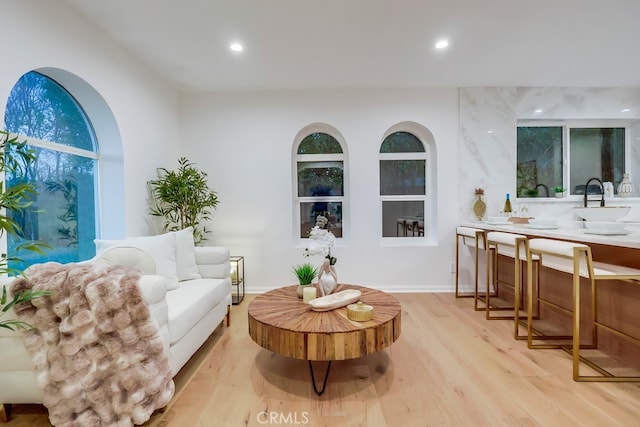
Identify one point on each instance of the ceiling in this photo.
(304, 44)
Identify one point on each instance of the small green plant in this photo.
(558, 189)
(305, 273)
(24, 296)
(531, 192)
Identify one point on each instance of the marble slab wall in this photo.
(488, 121)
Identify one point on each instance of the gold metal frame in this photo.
(533, 334)
(605, 376)
(575, 347)
(493, 250)
(479, 237)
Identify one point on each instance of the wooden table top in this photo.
(279, 321)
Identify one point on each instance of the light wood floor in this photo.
(450, 367)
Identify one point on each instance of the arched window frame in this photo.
(297, 200)
(428, 199)
(110, 217)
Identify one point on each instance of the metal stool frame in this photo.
(594, 272)
(479, 243)
(496, 242)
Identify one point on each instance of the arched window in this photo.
(320, 179)
(403, 185)
(64, 173)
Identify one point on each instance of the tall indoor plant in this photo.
(15, 157)
(183, 198)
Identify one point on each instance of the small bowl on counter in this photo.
(498, 220)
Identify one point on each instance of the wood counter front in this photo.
(279, 321)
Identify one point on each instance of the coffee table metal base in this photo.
(313, 378)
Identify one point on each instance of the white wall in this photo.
(44, 34)
(244, 142)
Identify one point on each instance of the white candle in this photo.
(308, 293)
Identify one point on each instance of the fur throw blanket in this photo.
(98, 356)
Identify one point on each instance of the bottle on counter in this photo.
(507, 206)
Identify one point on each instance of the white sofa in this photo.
(189, 296)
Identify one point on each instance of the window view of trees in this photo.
(320, 174)
(592, 151)
(540, 168)
(402, 185)
(596, 152)
(63, 212)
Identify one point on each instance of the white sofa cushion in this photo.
(162, 248)
(187, 268)
(191, 301)
(213, 262)
(129, 257)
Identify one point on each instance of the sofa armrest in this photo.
(213, 262)
(153, 288)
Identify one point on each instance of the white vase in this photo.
(625, 188)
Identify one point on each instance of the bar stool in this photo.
(576, 259)
(469, 236)
(513, 246)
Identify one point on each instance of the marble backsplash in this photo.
(488, 120)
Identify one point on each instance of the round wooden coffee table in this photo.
(279, 321)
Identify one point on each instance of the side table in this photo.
(237, 279)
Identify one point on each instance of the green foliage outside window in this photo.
(319, 143)
(63, 207)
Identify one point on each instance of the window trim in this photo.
(54, 146)
(333, 157)
(429, 199)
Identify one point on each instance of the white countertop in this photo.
(568, 230)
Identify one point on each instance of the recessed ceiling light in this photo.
(625, 110)
(539, 110)
(489, 131)
(236, 47)
(441, 44)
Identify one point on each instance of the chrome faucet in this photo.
(545, 188)
(586, 191)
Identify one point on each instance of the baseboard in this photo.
(405, 289)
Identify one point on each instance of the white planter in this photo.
(625, 189)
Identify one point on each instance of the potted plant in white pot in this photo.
(183, 199)
(559, 191)
(305, 274)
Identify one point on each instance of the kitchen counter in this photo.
(567, 230)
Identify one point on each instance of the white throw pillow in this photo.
(130, 257)
(162, 248)
(187, 268)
